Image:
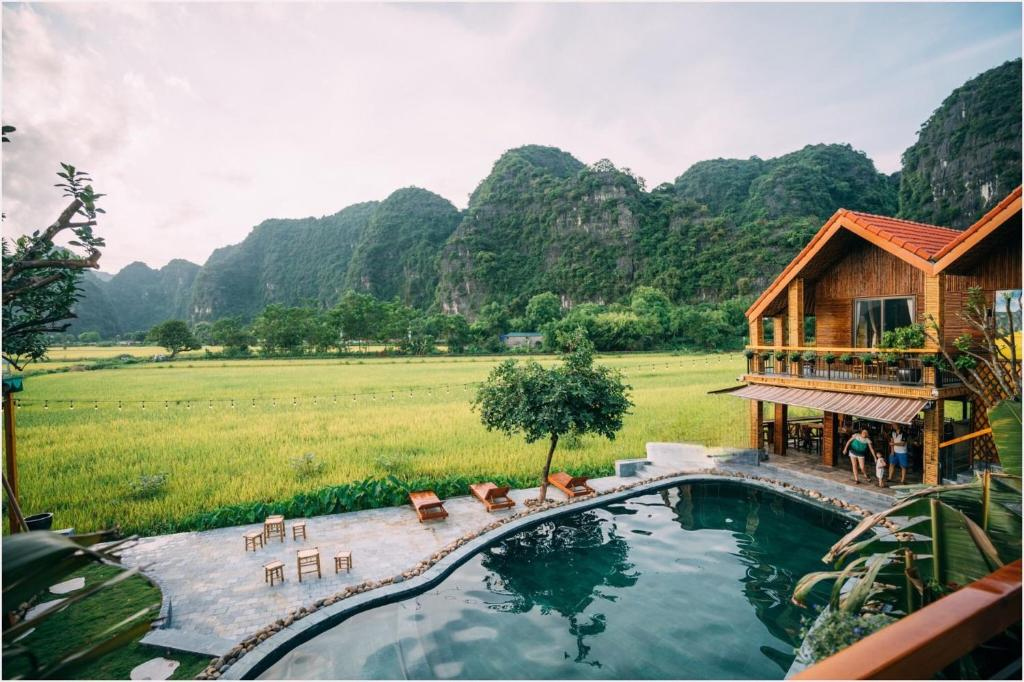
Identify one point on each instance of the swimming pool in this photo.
(692, 581)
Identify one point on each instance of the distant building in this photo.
(519, 339)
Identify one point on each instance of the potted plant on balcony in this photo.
(903, 339)
(846, 360)
(830, 359)
(809, 358)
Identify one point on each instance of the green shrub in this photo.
(148, 486)
(837, 630)
(902, 338)
(308, 466)
(368, 494)
(846, 358)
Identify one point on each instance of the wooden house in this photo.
(814, 330)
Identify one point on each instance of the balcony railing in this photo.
(916, 367)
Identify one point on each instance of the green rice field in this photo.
(226, 432)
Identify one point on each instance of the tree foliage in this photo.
(174, 336)
(576, 397)
(40, 277)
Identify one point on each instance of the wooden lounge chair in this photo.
(573, 486)
(492, 496)
(427, 505)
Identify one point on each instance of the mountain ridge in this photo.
(542, 220)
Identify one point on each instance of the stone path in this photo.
(217, 592)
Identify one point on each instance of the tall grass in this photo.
(82, 464)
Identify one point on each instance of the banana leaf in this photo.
(34, 561)
(14, 631)
(1005, 420)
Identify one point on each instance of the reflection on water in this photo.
(689, 582)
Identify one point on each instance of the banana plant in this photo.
(32, 562)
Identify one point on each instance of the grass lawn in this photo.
(80, 463)
(82, 623)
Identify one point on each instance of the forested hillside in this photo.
(397, 253)
(968, 154)
(543, 221)
(136, 298)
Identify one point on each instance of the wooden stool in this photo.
(274, 525)
(252, 538)
(298, 528)
(275, 569)
(343, 560)
(308, 559)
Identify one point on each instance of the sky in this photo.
(198, 121)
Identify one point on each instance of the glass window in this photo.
(1004, 298)
(872, 317)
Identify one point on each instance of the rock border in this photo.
(303, 623)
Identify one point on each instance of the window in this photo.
(874, 316)
(1003, 298)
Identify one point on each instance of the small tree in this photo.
(40, 278)
(174, 336)
(577, 397)
(991, 345)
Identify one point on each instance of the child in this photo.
(880, 469)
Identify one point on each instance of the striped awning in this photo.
(875, 407)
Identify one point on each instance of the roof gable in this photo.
(914, 243)
(929, 248)
(986, 225)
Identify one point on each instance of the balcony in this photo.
(912, 368)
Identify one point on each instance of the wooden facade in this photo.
(856, 256)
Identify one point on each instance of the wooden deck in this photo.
(801, 461)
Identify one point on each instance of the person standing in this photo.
(899, 457)
(857, 448)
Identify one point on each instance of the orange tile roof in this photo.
(919, 238)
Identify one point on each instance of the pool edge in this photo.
(275, 646)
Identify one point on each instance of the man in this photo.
(899, 457)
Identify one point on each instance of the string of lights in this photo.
(382, 395)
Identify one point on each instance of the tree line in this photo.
(649, 321)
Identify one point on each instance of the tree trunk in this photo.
(547, 468)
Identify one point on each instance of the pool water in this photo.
(691, 582)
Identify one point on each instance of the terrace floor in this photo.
(810, 463)
(217, 594)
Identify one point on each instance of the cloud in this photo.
(201, 120)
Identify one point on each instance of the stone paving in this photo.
(217, 592)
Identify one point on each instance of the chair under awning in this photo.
(874, 407)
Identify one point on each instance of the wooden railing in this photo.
(926, 641)
(839, 351)
(886, 366)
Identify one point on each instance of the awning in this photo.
(875, 407)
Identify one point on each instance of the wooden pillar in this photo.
(795, 312)
(934, 297)
(756, 331)
(781, 430)
(12, 464)
(933, 420)
(756, 417)
(828, 438)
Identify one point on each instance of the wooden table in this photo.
(275, 569)
(274, 525)
(343, 560)
(253, 538)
